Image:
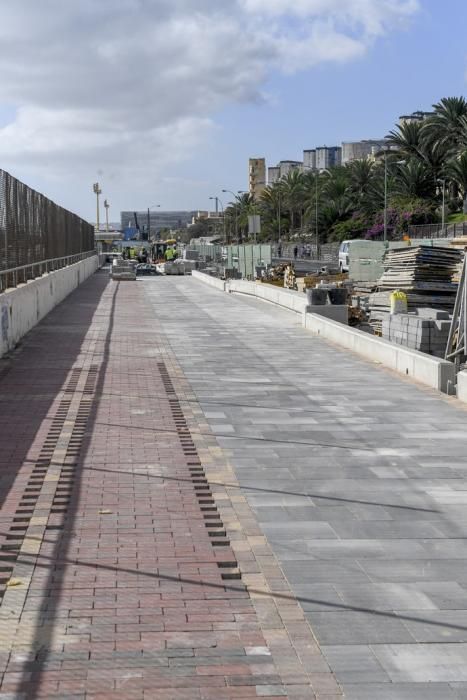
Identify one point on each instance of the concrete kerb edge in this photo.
(432, 371)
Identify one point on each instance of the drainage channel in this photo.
(49, 488)
(206, 502)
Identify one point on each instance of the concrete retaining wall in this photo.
(207, 279)
(294, 301)
(436, 373)
(23, 307)
(462, 386)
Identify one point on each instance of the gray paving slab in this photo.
(357, 477)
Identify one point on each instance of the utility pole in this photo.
(106, 205)
(279, 215)
(97, 191)
(385, 196)
(316, 214)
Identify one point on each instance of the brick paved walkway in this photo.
(124, 560)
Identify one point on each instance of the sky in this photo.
(164, 101)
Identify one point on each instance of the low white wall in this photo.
(207, 279)
(462, 386)
(432, 371)
(294, 301)
(23, 307)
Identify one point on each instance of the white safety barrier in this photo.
(207, 279)
(23, 307)
(462, 386)
(294, 301)
(432, 371)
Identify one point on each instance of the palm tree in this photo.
(271, 208)
(406, 139)
(361, 175)
(448, 125)
(413, 179)
(457, 171)
(292, 189)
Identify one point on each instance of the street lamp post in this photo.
(235, 209)
(218, 201)
(97, 191)
(106, 205)
(385, 236)
(316, 214)
(443, 210)
(316, 172)
(154, 206)
(385, 220)
(279, 216)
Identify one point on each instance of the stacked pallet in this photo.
(426, 274)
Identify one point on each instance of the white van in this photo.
(344, 256)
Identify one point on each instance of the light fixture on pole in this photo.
(316, 173)
(399, 162)
(97, 191)
(443, 210)
(219, 201)
(235, 210)
(216, 199)
(154, 206)
(106, 205)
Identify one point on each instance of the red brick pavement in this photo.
(118, 578)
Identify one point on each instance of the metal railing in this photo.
(20, 275)
(438, 230)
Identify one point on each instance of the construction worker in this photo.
(169, 254)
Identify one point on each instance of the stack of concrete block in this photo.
(426, 331)
(123, 270)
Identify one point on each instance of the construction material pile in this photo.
(424, 273)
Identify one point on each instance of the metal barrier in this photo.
(438, 230)
(20, 275)
(34, 230)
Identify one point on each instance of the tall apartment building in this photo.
(358, 150)
(274, 174)
(257, 176)
(286, 166)
(328, 157)
(309, 159)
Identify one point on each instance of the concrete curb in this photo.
(431, 371)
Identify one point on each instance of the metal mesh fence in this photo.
(35, 229)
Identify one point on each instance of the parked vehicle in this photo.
(344, 256)
(146, 269)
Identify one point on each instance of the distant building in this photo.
(358, 150)
(257, 176)
(274, 174)
(309, 159)
(287, 166)
(158, 220)
(414, 117)
(328, 157)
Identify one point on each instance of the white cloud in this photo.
(132, 85)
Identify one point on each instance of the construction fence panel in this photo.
(35, 229)
(246, 258)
